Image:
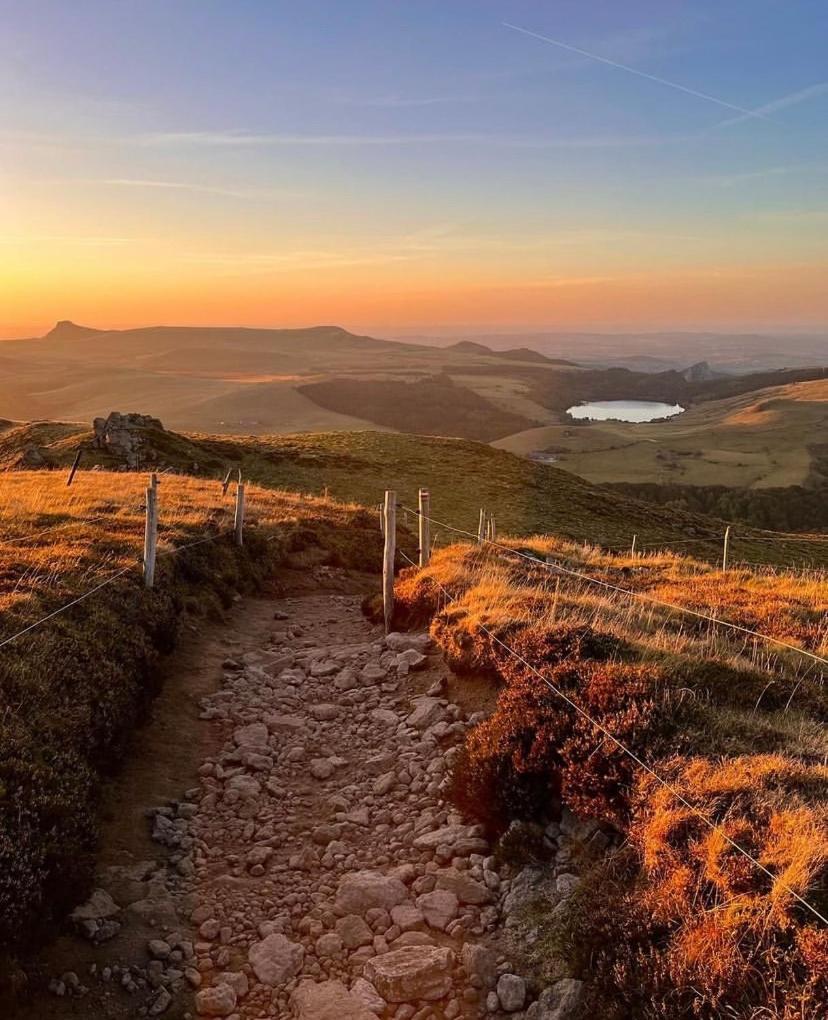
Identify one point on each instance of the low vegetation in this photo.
(676, 921)
(73, 687)
(463, 476)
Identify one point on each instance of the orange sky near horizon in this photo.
(388, 300)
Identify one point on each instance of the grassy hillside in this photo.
(72, 688)
(756, 440)
(463, 476)
(674, 922)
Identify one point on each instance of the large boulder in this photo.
(275, 960)
(362, 891)
(411, 973)
(328, 1000)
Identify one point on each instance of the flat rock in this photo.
(397, 642)
(328, 1000)
(438, 908)
(462, 840)
(98, 907)
(220, 1000)
(362, 890)
(253, 735)
(426, 712)
(464, 887)
(354, 931)
(368, 996)
(275, 960)
(411, 973)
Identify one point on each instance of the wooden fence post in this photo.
(491, 529)
(74, 467)
(425, 527)
(481, 526)
(726, 548)
(238, 523)
(632, 549)
(151, 533)
(389, 516)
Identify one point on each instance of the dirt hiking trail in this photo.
(278, 844)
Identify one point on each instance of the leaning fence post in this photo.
(632, 549)
(481, 526)
(726, 548)
(238, 523)
(74, 467)
(151, 534)
(425, 527)
(389, 516)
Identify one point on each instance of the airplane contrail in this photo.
(782, 103)
(640, 74)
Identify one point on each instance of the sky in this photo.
(414, 166)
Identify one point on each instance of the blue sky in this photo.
(320, 152)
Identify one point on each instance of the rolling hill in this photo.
(262, 381)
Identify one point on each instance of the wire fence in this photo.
(556, 566)
(137, 567)
(635, 758)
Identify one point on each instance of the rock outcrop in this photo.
(126, 436)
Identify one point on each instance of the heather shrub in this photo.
(536, 749)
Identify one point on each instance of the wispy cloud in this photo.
(244, 139)
(782, 103)
(633, 70)
(732, 180)
(199, 189)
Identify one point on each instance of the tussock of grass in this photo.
(680, 924)
(71, 689)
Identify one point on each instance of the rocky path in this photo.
(313, 870)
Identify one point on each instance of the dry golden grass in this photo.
(733, 723)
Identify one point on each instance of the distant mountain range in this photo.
(657, 352)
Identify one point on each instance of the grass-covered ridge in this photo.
(462, 475)
(72, 688)
(676, 923)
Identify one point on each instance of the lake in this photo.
(624, 410)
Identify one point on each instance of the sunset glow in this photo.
(412, 167)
